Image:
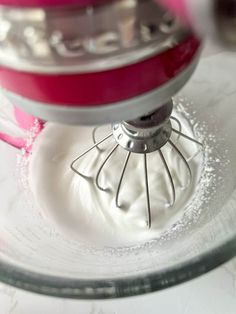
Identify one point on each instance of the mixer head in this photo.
(97, 62)
(101, 62)
(93, 62)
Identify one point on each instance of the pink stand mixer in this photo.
(93, 62)
(93, 65)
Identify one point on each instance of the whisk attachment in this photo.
(142, 136)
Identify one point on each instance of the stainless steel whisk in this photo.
(144, 135)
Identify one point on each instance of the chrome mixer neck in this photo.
(147, 133)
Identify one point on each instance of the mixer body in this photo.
(93, 62)
(98, 62)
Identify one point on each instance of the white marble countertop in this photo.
(213, 293)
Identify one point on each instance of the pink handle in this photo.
(17, 142)
(24, 122)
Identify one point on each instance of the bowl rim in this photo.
(108, 288)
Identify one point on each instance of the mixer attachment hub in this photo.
(145, 134)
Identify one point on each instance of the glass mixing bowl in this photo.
(36, 257)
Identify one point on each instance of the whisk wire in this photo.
(187, 137)
(94, 136)
(86, 152)
(149, 221)
(102, 166)
(121, 178)
(183, 159)
(169, 176)
(179, 125)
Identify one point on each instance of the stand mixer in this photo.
(100, 64)
(97, 62)
(94, 64)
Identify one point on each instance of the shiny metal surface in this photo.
(141, 141)
(70, 39)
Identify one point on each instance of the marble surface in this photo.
(213, 293)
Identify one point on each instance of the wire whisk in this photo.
(140, 137)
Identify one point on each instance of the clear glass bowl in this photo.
(36, 257)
